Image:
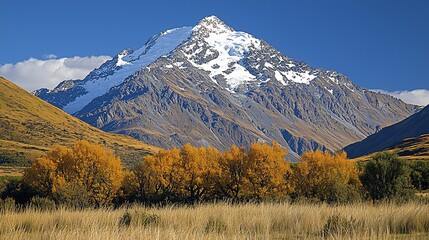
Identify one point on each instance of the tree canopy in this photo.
(85, 172)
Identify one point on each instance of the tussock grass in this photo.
(222, 221)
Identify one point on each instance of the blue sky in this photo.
(378, 44)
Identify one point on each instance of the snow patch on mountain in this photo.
(121, 62)
(231, 47)
(159, 45)
(279, 77)
(299, 77)
(268, 65)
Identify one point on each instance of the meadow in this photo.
(222, 221)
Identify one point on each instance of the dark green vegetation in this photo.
(386, 176)
(420, 174)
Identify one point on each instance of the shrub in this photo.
(18, 190)
(138, 219)
(73, 196)
(386, 176)
(149, 219)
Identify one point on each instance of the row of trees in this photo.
(88, 175)
(194, 174)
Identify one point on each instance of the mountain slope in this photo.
(413, 148)
(220, 87)
(413, 126)
(29, 127)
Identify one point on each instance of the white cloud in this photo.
(418, 97)
(50, 56)
(33, 74)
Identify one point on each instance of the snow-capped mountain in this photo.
(212, 85)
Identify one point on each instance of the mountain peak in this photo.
(211, 18)
(213, 24)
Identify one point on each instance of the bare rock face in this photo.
(212, 85)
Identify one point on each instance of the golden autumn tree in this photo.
(177, 175)
(203, 173)
(195, 171)
(41, 176)
(230, 183)
(328, 177)
(84, 172)
(268, 173)
(156, 177)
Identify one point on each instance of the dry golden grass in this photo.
(223, 221)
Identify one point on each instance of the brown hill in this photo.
(30, 126)
(416, 148)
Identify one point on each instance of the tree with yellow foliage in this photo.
(41, 175)
(268, 174)
(328, 177)
(177, 175)
(157, 176)
(196, 170)
(230, 183)
(86, 172)
(202, 173)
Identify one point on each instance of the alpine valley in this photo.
(212, 85)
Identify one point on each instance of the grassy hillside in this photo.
(29, 127)
(413, 148)
(416, 148)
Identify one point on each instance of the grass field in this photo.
(222, 221)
